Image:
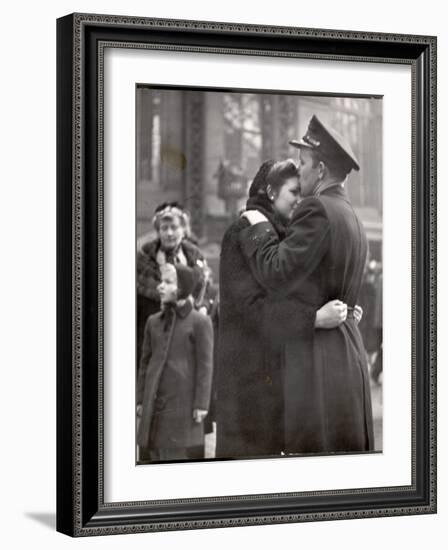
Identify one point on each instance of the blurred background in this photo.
(202, 149)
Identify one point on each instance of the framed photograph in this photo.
(246, 274)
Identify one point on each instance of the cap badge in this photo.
(311, 141)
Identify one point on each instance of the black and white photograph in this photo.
(253, 287)
(258, 276)
(236, 275)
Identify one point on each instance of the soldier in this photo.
(326, 391)
(253, 327)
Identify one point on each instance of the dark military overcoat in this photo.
(327, 390)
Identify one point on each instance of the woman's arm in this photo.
(147, 276)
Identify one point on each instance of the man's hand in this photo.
(254, 216)
(331, 315)
(199, 415)
(139, 410)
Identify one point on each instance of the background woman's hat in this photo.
(329, 144)
(169, 211)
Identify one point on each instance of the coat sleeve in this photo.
(298, 255)
(147, 277)
(242, 288)
(144, 362)
(203, 335)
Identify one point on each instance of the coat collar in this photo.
(184, 309)
(151, 248)
(336, 191)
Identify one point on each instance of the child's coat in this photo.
(175, 377)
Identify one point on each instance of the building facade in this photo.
(202, 148)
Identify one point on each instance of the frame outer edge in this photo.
(77, 221)
(222, 26)
(433, 271)
(77, 529)
(64, 108)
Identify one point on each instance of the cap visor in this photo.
(301, 143)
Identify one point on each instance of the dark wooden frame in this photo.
(81, 38)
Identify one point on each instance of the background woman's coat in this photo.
(322, 258)
(148, 278)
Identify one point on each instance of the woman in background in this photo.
(172, 244)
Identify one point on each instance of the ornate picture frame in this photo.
(81, 506)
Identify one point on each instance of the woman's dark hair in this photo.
(273, 174)
(280, 172)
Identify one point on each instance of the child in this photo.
(175, 374)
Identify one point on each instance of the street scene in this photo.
(269, 349)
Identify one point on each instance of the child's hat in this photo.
(186, 281)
